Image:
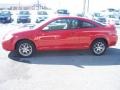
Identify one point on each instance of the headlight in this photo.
(8, 18)
(7, 37)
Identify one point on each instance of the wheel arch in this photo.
(24, 40)
(105, 40)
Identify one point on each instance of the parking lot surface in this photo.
(59, 70)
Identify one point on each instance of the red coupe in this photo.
(61, 33)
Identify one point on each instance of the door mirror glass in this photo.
(46, 28)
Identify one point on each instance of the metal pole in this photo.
(84, 7)
(38, 7)
(19, 5)
(88, 4)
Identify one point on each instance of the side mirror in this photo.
(46, 28)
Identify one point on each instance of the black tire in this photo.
(99, 47)
(25, 48)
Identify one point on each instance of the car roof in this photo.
(75, 17)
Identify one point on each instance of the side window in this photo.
(57, 25)
(73, 24)
(76, 24)
(87, 25)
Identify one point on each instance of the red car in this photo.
(61, 33)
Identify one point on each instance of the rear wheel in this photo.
(98, 47)
(25, 48)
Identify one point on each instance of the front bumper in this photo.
(8, 45)
(5, 20)
(23, 20)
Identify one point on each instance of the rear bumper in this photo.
(113, 40)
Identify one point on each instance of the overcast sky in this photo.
(74, 5)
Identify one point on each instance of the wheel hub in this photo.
(25, 49)
(99, 47)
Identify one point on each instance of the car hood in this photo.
(21, 29)
(23, 16)
(2, 16)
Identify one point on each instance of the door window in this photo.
(87, 25)
(68, 24)
(60, 24)
(76, 24)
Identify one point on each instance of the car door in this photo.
(82, 32)
(56, 35)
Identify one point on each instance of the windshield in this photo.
(98, 15)
(42, 13)
(62, 11)
(24, 13)
(4, 13)
(111, 16)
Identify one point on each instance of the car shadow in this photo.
(74, 57)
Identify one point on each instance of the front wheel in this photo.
(25, 48)
(98, 47)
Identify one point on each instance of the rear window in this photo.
(5, 13)
(99, 23)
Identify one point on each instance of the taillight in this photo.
(112, 28)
